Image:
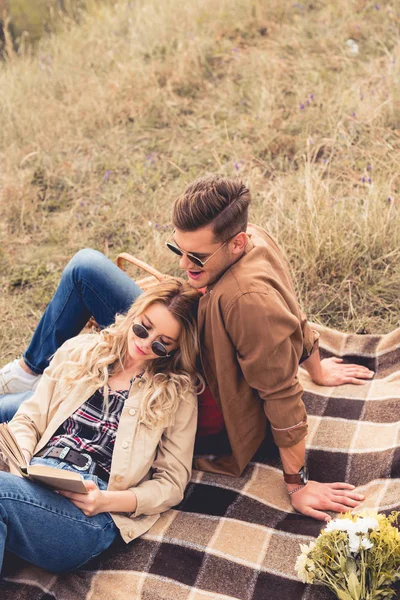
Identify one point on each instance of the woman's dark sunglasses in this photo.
(158, 348)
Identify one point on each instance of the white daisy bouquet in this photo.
(355, 556)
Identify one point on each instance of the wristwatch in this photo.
(300, 478)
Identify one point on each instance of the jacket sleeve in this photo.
(173, 463)
(268, 341)
(33, 415)
(310, 338)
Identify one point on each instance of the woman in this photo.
(119, 408)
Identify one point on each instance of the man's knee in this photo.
(84, 264)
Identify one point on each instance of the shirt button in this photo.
(119, 478)
(132, 411)
(125, 444)
(131, 534)
(140, 384)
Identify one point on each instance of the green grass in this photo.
(104, 126)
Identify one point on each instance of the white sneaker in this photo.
(13, 380)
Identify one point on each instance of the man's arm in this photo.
(333, 372)
(261, 328)
(314, 498)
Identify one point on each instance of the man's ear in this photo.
(239, 242)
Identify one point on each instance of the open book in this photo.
(55, 478)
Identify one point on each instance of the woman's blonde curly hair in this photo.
(168, 381)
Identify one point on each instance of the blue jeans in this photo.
(9, 404)
(91, 285)
(46, 529)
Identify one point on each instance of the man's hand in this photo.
(315, 497)
(333, 371)
(92, 503)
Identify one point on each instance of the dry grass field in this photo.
(106, 123)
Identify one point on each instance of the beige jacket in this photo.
(154, 463)
(253, 336)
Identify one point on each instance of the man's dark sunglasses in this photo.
(192, 257)
(158, 348)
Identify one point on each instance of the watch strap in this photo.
(299, 478)
(293, 478)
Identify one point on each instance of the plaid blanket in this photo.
(239, 538)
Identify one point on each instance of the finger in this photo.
(70, 495)
(316, 514)
(90, 485)
(81, 505)
(337, 506)
(350, 494)
(336, 359)
(346, 501)
(354, 381)
(340, 485)
(358, 374)
(359, 368)
(356, 369)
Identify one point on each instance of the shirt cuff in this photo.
(310, 347)
(284, 438)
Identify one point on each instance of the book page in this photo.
(10, 447)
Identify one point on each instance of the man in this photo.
(253, 335)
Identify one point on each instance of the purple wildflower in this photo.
(376, 6)
(107, 175)
(311, 96)
(369, 180)
(369, 168)
(363, 179)
(389, 199)
(302, 107)
(239, 164)
(354, 115)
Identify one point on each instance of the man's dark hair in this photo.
(221, 202)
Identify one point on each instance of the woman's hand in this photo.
(315, 497)
(92, 503)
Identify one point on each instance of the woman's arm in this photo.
(97, 501)
(171, 473)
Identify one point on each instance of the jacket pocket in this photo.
(148, 440)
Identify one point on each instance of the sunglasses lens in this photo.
(159, 349)
(196, 261)
(174, 249)
(140, 331)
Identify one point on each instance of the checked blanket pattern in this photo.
(239, 538)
